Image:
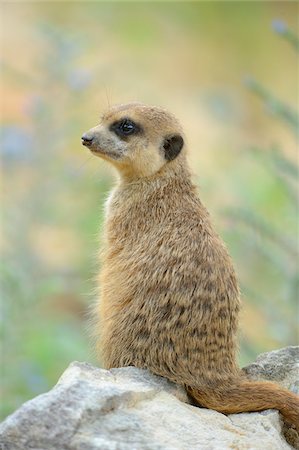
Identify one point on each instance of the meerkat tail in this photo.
(247, 396)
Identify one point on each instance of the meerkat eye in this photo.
(124, 127)
(127, 127)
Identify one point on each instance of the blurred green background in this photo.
(229, 71)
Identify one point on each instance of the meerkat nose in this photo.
(86, 139)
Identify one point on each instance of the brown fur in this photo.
(169, 295)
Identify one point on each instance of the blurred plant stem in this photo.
(275, 106)
(281, 28)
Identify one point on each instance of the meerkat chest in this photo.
(132, 218)
(145, 243)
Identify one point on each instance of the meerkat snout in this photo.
(86, 139)
(137, 139)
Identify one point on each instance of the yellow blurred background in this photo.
(229, 71)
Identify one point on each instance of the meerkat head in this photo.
(137, 139)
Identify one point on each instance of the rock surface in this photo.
(131, 409)
(281, 366)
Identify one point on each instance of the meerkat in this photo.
(169, 296)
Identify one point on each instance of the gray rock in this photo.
(131, 409)
(280, 365)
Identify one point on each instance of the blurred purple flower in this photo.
(16, 143)
(279, 26)
(79, 79)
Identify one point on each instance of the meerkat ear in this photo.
(172, 146)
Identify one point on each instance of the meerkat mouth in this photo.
(85, 143)
(103, 153)
(89, 143)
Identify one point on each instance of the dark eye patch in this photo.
(125, 127)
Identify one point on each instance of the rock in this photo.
(132, 409)
(281, 366)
